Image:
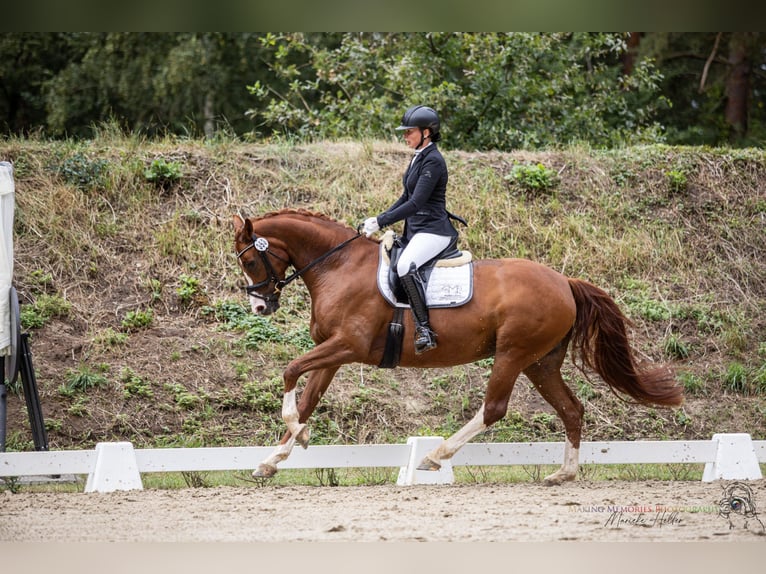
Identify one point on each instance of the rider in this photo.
(427, 227)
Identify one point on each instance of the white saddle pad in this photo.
(450, 283)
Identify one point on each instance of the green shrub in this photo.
(83, 378)
(188, 290)
(82, 172)
(134, 385)
(675, 347)
(759, 380)
(163, 173)
(137, 320)
(585, 390)
(735, 378)
(182, 397)
(40, 279)
(264, 396)
(237, 317)
(691, 383)
(44, 308)
(677, 180)
(533, 177)
(110, 338)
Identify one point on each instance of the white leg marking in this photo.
(450, 446)
(280, 453)
(571, 459)
(298, 432)
(290, 413)
(568, 470)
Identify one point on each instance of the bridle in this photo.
(261, 246)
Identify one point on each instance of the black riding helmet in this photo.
(422, 117)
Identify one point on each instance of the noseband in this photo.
(261, 246)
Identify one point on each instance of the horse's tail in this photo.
(600, 338)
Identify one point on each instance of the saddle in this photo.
(448, 276)
(449, 283)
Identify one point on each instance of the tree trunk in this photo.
(738, 84)
(629, 57)
(209, 115)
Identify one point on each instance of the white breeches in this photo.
(421, 248)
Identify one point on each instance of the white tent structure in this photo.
(7, 206)
(15, 355)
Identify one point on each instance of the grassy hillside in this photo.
(139, 332)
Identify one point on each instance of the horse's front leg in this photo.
(296, 432)
(323, 361)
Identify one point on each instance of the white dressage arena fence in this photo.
(115, 466)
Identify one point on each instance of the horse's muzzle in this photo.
(261, 307)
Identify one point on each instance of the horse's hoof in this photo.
(265, 471)
(556, 479)
(428, 464)
(302, 438)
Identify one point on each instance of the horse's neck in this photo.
(309, 240)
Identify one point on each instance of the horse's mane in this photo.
(304, 213)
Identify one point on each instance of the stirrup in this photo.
(425, 340)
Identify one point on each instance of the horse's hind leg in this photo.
(494, 407)
(545, 375)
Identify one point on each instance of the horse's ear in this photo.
(240, 222)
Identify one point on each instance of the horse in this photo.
(523, 313)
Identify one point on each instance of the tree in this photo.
(152, 83)
(738, 84)
(493, 90)
(716, 82)
(27, 62)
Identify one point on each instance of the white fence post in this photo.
(420, 447)
(115, 468)
(735, 459)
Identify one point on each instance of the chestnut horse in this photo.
(522, 313)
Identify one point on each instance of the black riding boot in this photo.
(425, 338)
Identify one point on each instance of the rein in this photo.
(261, 245)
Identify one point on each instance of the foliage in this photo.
(675, 347)
(744, 379)
(135, 385)
(163, 173)
(686, 267)
(151, 83)
(263, 396)
(110, 338)
(137, 320)
(43, 309)
(695, 70)
(677, 180)
(189, 289)
(83, 378)
(256, 329)
(183, 397)
(83, 172)
(493, 90)
(693, 384)
(534, 177)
